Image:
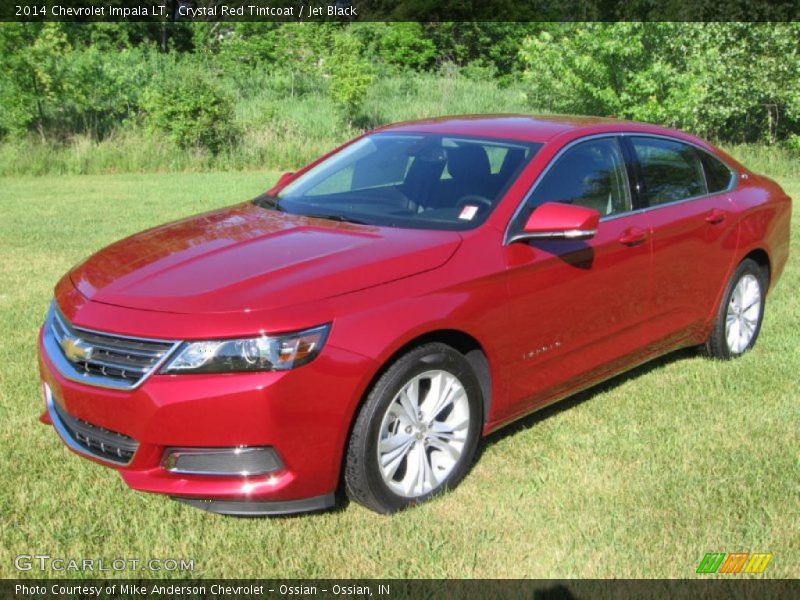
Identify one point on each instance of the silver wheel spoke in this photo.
(732, 337)
(428, 480)
(445, 426)
(751, 314)
(444, 436)
(409, 404)
(439, 444)
(737, 296)
(394, 442)
(439, 397)
(412, 482)
(391, 461)
(397, 411)
(753, 304)
(749, 325)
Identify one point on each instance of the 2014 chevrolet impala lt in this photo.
(370, 317)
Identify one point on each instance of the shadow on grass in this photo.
(570, 402)
(557, 592)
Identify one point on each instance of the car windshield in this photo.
(415, 180)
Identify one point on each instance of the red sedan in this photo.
(363, 323)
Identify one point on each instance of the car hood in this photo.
(249, 258)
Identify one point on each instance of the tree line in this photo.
(733, 82)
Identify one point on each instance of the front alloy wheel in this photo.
(417, 432)
(423, 433)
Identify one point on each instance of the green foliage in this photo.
(350, 75)
(284, 58)
(495, 44)
(735, 81)
(276, 131)
(479, 70)
(18, 83)
(295, 47)
(775, 160)
(58, 89)
(404, 45)
(793, 143)
(191, 111)
(250, 94)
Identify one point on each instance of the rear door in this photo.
(577, 308)
(691, 214)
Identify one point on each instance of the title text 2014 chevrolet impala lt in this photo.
(369, 318)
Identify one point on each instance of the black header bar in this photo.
(399, 10)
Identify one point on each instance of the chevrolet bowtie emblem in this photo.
(76, 350)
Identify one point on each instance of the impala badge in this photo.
(76, 350)
(541, 350)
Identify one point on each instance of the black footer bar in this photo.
(395, 589)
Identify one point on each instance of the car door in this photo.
(577, 308)
(691, 215)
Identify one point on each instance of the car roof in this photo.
(527, 128)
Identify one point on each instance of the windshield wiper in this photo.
(339, 218)
(271, 202)
(267, 201)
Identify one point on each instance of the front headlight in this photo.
(263, 353)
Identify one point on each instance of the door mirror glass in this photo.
(556, 220)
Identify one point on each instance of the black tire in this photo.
(364, 482)
(717, 345)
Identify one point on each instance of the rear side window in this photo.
(718, 176)
(671, 171)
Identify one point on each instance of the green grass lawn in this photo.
(637, 478)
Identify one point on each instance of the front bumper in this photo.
(303, 414)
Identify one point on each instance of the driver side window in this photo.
(590, 174)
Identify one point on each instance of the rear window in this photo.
(718, 175)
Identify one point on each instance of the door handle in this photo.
(633, 236)
(716, 215)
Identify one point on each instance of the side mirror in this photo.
(557, 221)
(282, 181)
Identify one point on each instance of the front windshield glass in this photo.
(413, 180)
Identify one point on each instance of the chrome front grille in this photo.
(90, 439)
(102, 359)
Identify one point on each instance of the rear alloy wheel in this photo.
(742, 310)
(417, 431)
